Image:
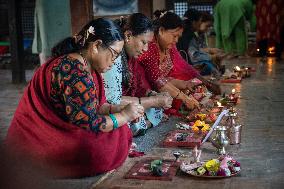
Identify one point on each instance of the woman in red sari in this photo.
(165, 69)
(63, 120)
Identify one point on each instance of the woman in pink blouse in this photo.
(165, 69)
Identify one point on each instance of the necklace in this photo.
(85, 62)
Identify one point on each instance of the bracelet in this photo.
(178, 93)
(114, 120)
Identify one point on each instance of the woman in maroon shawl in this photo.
(63, 120)
(165, 69)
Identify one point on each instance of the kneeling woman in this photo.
(127, 77)
(63, 119)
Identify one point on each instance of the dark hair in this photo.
(103, 29)
(158, 13)
(137, 23)
(191, 15)
(206, 17)
(167, 20)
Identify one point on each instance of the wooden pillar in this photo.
(159, 5)
(16, 41)
(81, 14)
(146, 7)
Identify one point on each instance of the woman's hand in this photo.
(191, 103)
(164, 101)
(132, 111)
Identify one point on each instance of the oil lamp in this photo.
(237, 69)
(247, 72)
(177, 155)
(233, 98)
(219, 106)
(271, 50)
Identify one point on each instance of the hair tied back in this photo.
(163, 13)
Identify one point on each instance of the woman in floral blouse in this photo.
(63, 120)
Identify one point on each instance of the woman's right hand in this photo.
(132, 111)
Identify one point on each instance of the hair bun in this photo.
(159, 13)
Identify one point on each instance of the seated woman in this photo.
(63, 119)
(164, 67)
(126, 74)
(189, 44)
(216, 55)
(206, 23)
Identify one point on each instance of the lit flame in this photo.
(233, 91)
(246, 68)
(238, 68)
(271, 49)
(219, 104)
(257, 50)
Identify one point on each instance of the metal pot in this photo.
(234, 134)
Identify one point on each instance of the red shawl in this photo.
(180, 69)
(138, 85)
(38, 131)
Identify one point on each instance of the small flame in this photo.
(219, 104)
(233, 91)
(271, 50)
(238, 68)
(257, 50)
(246, 68)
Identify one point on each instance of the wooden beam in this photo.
(81, 14)
(16, 41)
